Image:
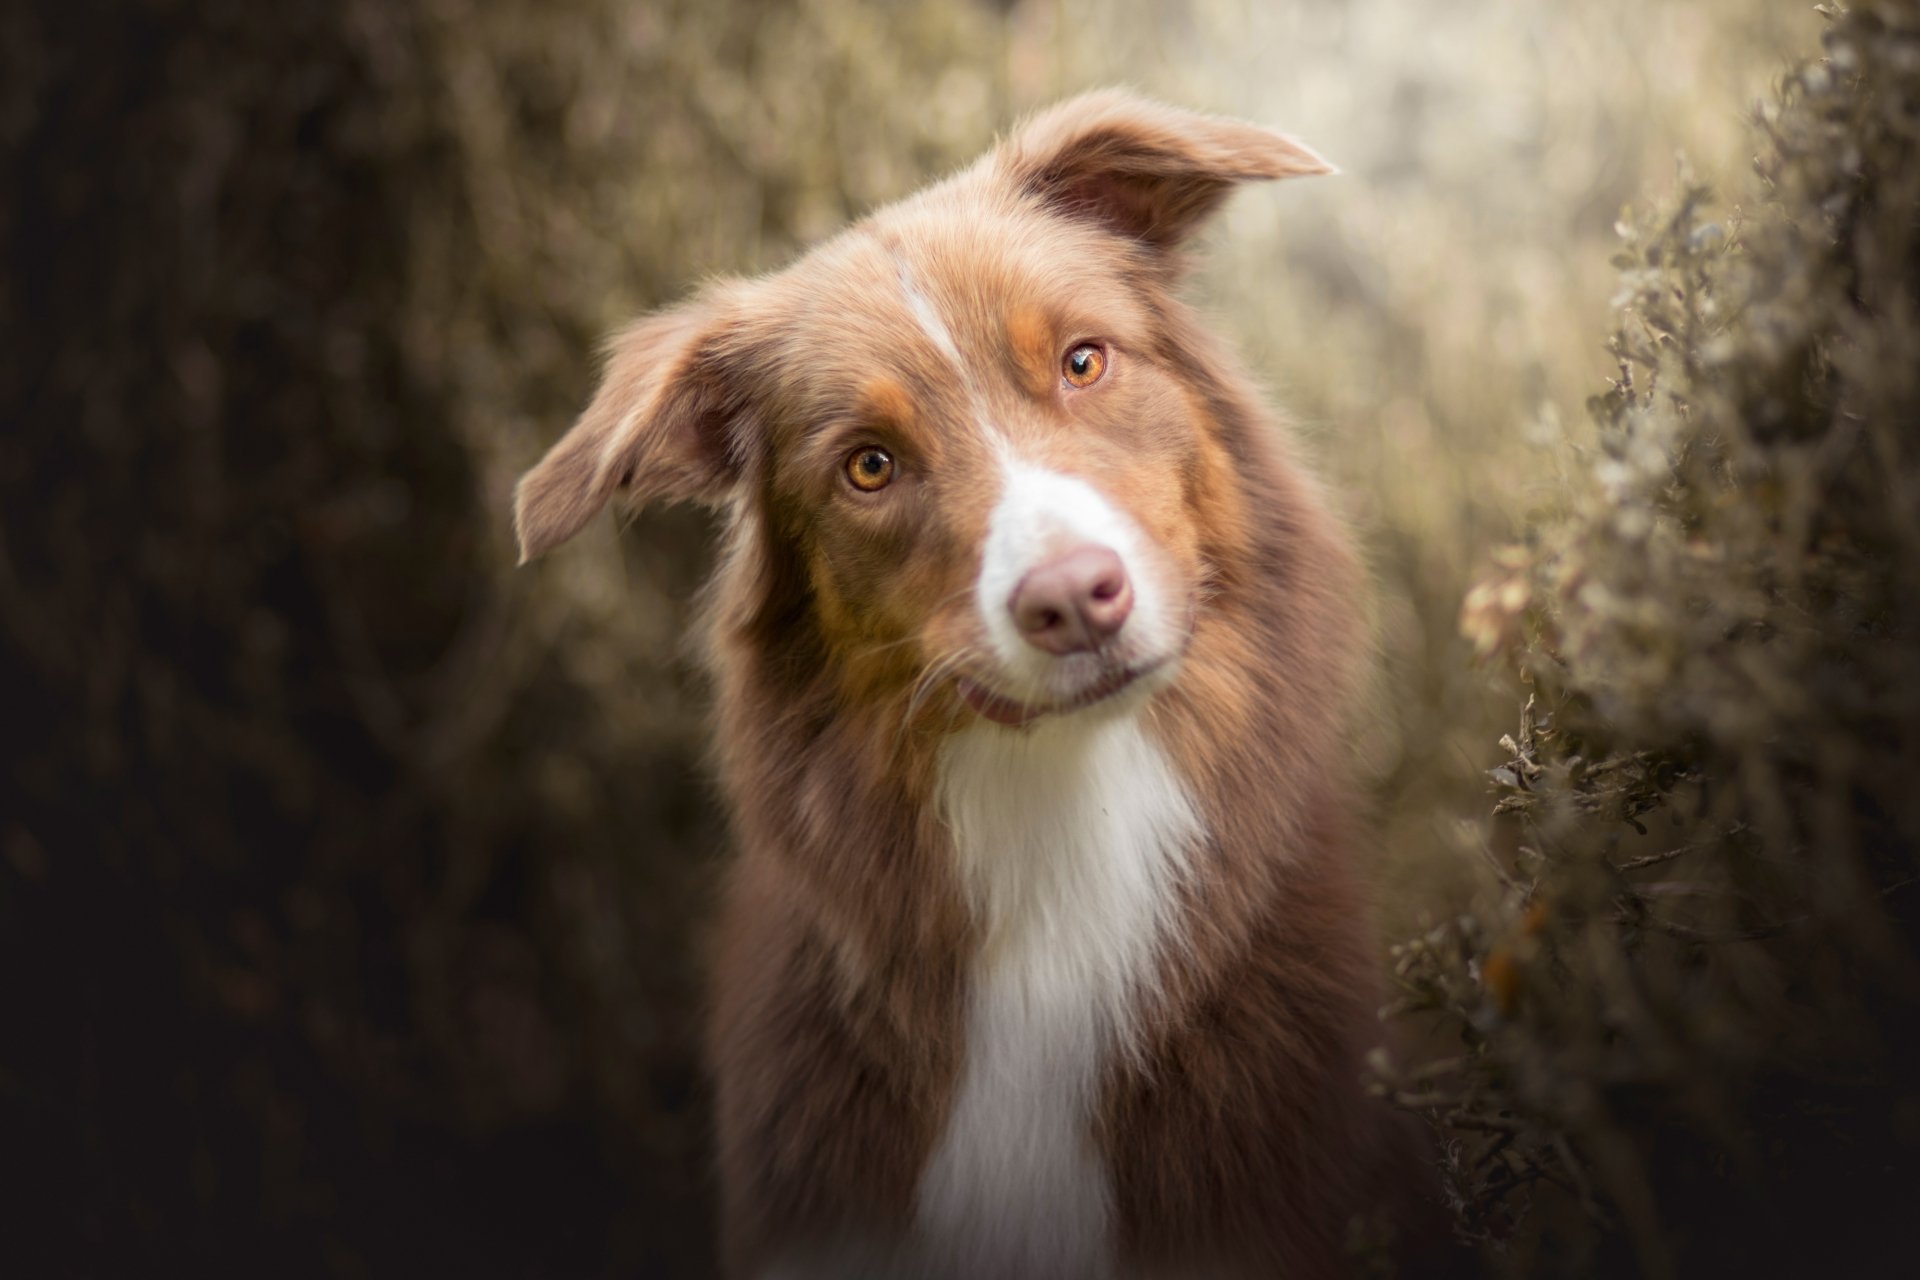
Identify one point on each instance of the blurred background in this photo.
(351, 880)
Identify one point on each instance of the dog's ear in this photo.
(660, 427)
(1145, 170)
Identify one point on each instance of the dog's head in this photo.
(960, 441)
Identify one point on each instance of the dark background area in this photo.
(342, 929)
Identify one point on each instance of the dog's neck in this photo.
(1071, 838)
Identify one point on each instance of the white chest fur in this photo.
(1070, 836)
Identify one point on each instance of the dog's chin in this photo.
(1114, 688)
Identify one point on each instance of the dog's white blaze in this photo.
(926, 317)
(1070, 837)
(1040, 513)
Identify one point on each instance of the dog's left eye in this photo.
(870, 468)
(1084, 365)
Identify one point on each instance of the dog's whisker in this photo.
(934, 674)
(884, 646)
(930, 679)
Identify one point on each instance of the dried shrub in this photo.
(1686, 1030)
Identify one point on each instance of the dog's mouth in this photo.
(1013, 713)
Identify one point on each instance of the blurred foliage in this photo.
(1693, 1011)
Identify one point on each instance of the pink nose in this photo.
(1074, 602)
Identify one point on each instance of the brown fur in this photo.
(1238, 1138)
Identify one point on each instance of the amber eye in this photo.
(870, 468)
(1084, 365)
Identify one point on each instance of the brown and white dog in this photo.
(1043, 955)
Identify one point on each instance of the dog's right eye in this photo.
(870, 468)
(1083, 365)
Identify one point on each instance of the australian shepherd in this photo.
(1044, 954)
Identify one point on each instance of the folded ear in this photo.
(1146, 170)
(659, 427)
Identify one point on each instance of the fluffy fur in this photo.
(1080, 995)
